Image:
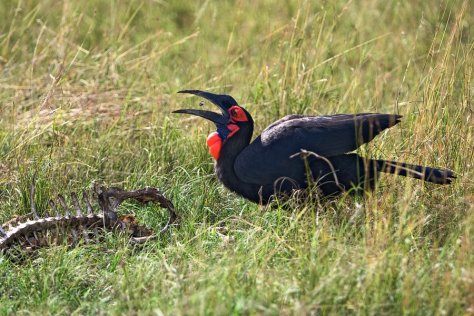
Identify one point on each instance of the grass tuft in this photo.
(86, 92)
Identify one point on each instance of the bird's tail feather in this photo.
(434, 175)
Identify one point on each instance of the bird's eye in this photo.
(237, 114)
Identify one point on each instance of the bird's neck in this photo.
(224, 166)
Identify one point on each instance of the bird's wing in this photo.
(267, 158)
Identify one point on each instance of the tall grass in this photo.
(86, 92)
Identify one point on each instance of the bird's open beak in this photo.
(222, 101)
(208, 115)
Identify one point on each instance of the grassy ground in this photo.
(86, 91)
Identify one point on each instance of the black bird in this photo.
(271, 165)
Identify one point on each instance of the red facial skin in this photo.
(214, 141)
(237, 114)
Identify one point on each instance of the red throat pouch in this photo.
(214, 142)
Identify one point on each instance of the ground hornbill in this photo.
(274, 162)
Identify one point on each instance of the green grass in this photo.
(86, 92)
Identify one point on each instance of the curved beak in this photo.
(224, 102)
(208, 115)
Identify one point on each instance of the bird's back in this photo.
(268, 156)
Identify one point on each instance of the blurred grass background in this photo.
(86, 92)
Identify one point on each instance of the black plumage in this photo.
(271, 165)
